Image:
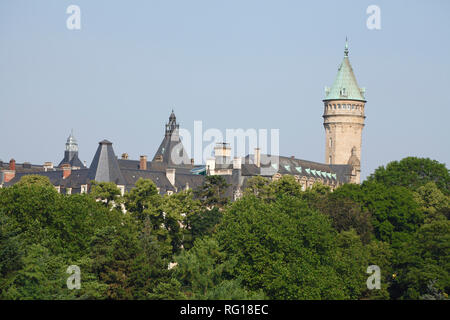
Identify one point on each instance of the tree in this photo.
(213, 192)
(286, 185)
(143, 196)
(412, 172)
(199, 224)
(204, 273)
(34, 179)
(345, 213)
(424, 259)
(259, 187)
(282, 247)
(433, 202)
(395, 213)
(107, 192)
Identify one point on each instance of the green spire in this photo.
(345, 85)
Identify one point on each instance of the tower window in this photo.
(339, 106)
(334, 106)
(330, 159)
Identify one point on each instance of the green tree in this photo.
(107, 192)
(433, 202)
(143, 196)
(282, 247)
(204, 273)
(213, 191)
(424, 259)
(412, 172)
(259, 187)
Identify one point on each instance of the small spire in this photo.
(346, 47)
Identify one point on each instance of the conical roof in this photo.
(171, 149)
(104, 166)
(345, 86)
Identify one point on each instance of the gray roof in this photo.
(171, 148)
(293, 166)
(71, 157)
(104, 166)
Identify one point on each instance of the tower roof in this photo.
(104, 166)
(345, 86)
(171, 149)
(71, 153)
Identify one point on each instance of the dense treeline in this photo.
(276, 242)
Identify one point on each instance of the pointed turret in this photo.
(345, 86)
(104, 166)
(171, 151)
(71, 153)
(344, 116)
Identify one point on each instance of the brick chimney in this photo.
(67, 170)
(125, 156)
(8, 175)
(12, 165)
(143, 163)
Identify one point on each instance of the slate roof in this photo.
(71, 158)
(131, 176)
(171, 146)
(104, 166)
(293, 166)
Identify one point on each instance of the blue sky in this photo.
(232, 64)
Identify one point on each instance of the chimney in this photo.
(48, 165)
(258, 157)
(67, 170)
(125, 156)
(143, 163)
(12, 164)
(170, 174)
(292, 157)
(192, 161)
(237, 163)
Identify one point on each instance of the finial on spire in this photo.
(346, 47)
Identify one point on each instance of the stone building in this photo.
(343, 116)
(172, 170)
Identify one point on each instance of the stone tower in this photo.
(344, 119)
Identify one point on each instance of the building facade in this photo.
(344, 117)
(172, 170)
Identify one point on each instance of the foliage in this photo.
(213, 192)
(276, 242)
(412, 172)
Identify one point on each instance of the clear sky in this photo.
(232, 64)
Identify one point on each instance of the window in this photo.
(331, 143)
(330, 159)
(339, 106)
